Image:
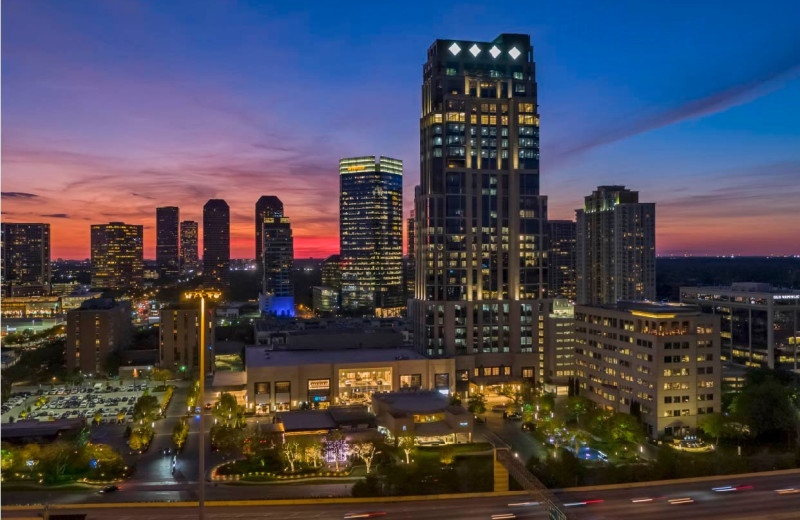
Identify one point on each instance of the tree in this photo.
(713, 425)
(180, 432)
(765, 406)
(408, 444)
(227, 411)
(292, 453)
(625, 428)
(98, 417)
(146, 408)
(477, 404)
(365, 451)
(312, 452)
(455, 400)
(120, 416)
(577, 406)
(161, 375)
(335, 447)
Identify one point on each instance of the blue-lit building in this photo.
(277, 298)
(371, 235)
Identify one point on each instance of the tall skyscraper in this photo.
(371, 235)
(278, 258)
(168, 242)
(616, 247)
(216, 244)
(117, 255)
(268, 206)
(480, 241)
(26, 259)
(561, 258)
(190, 261)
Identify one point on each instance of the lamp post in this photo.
(202, 294)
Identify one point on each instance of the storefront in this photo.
(356, 386)
(319, 393)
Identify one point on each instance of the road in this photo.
(762, 501)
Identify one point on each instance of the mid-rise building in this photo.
(657, 361)
(277, 258)
(561, 271)
(371, 235)
(117, 256)
(760, 324)
(616, 247)
(325, 301)
(559, 341)
(267, 207)
(179, 340)
(332, 272)
(480, 239)
(409, 265)
(216, 244)
(168, 242)
(100, 328)
(26, 259)
(189, 259)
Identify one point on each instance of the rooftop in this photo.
(653, 309)
(745, 287)
(259, 356)
(97, 304)
(413, 402)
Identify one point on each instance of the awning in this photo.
(432, 429)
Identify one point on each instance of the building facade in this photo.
(100, 328)
(616, 247)
(277, 258)
(760, 324)
(371, 235)
(561, 257)
(325, 301)
(189, 259)
(117, 256)
(179, 340)
(480, 219)
(559, 341)
(267, 207)
(216, 244)
(26, 267)
(168, 244)
(658, 361)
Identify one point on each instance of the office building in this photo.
(332, 272)
(179, 339)
(760, 324)
(267, 207)
(117, 256)
(97, 330)
(480, 219)
(26, 259)
(325, 300)
(561, 269)
(616, 247)
(657, 361)
(409, 266)
(168, 242)
(190, 261)
(277, 257)
(371, 235)
(216, 244)
(559, 342)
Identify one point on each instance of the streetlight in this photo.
(202, 294)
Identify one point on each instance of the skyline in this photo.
(143, 106)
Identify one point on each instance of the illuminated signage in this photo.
(356, 168)
(319, 384)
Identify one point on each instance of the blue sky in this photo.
(113, 108)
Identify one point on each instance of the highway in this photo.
(762, 501)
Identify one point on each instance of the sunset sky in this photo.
(111, 108)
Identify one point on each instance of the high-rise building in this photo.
(409, 266)
(660, 362)
(559, 341)
(26, 259)
(615, 247)
(278, 258)
(332, 272)
(117, 255)
(179, 339)
(480, 219)
(216, 244)
(760, 324)
(371, 235)
(561, 257)
(267, 207)
(190, 261)
(168, 242)
(99, 328)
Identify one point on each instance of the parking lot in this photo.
(70, 402)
